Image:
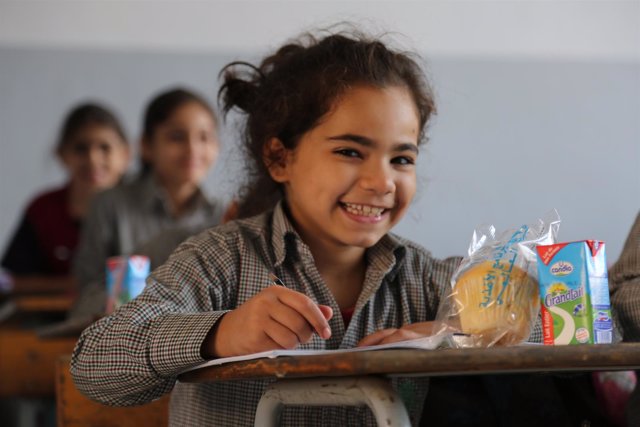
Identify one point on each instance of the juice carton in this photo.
(126, 276)
(574, 290)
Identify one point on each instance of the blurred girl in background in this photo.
(93, 150)
(166, 204)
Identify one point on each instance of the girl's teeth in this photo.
(363, 210)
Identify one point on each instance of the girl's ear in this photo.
(276, 157)
(145, 150)
(63, 157)
(126, 153)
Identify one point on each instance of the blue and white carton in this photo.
(126, 277)
(574, 292)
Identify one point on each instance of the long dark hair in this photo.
(291, 90)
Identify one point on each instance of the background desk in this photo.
(76, 410)
(26, 359)
(43, 303)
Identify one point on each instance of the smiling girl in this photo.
(94, 152)
(333, 131)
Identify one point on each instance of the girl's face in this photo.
(96, 157)
(353, 176)
(182, 148)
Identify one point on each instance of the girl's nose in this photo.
(193, 143)
(377, 178)
(94, 155)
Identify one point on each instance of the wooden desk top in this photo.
(401, 362)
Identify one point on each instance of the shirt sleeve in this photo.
(134, 355)
(624, 283)
(160, 247)
(24, 255)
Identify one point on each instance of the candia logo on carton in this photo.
(561, 268)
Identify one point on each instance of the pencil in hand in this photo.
(275, 280)
(327, 312)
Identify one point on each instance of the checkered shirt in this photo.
(624, 282)
(134, 355)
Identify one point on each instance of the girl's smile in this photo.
(351, 178)
(363, 212)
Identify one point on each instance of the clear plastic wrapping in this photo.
(494, 297)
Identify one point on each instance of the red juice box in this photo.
(126, 276)
(574, 292)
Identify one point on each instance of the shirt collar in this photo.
(382, 257)
(284, 235)
(155, 197)
(387, 255)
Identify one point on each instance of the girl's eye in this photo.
(206, 137)
(348, 152)
(403, 160)
(80, 148)
(176, 136)
(105, 148)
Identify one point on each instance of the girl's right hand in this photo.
(275, 318)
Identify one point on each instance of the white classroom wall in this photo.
(539, 101)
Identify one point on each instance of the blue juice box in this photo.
(574, 292)
(126, 277)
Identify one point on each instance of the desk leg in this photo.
(374, 392)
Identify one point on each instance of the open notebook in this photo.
(426, 343)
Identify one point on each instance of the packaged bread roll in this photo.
(493, 299)
(497, 303)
